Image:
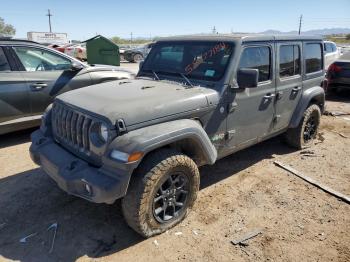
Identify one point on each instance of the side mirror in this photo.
(247, 78)
(75, 66)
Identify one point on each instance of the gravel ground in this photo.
(239, 194)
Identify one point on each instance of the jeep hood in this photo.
(139, 100)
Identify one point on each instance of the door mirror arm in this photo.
(75, 66)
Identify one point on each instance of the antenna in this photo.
(300, 21)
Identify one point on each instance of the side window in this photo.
(257, 58)
(35, 59)
(328, 48)
(289, 60)
(334, 47)
(313, 58)
(4, 64)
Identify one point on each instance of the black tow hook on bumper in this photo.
(74, 175)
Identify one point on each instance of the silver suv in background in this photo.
(32, 75)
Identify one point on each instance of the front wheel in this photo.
(306, 132)
(161, 193)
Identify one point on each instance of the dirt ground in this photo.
(239, 194)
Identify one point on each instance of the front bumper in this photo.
(76, 176)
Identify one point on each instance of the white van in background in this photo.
(331, 53)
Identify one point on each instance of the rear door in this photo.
(288, 82)
(251, 113)
(42, 69)
(14, 92)
(313, 64)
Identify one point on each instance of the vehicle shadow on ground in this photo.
(30, 202)
(339, 96)
(16, 138)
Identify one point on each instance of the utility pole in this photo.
(131, 37)
(300, 21)
(49, 15)
(214, 30)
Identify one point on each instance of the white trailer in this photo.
(48, 38)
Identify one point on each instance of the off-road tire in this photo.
(137, 205)
(295, 136)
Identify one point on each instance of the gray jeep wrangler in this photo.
(196, 99)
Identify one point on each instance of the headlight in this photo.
(103, 132)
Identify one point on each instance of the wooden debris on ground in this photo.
(313, 182)
(241, 240)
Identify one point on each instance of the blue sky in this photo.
(83, 19)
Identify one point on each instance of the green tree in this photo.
(348, 37)
(6, 29)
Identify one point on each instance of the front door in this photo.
(288, 82)
(42, 70)
(251, 110)
(14, 94)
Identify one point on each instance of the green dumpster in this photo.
(101, 50)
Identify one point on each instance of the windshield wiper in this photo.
(178, 73)
(187, 80)
(155, 74)
(168, 72)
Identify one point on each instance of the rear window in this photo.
(313, 58)
(289, 60)
(257, 58)
(4, 65)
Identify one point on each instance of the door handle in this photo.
(38, 86)
(279, 95)
(296, 89)
(269, 96)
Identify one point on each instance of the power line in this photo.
(49, 15)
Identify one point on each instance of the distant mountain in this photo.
(325, 31)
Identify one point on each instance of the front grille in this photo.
(71, 127)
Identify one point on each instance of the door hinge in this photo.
(276, 118)
(232, 107)
(229, 134)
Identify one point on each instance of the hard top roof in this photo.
(241, 37)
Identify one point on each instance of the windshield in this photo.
(194, 59)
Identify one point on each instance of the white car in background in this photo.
(77, 51)
(331, 53)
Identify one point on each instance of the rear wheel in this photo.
(306, 132)
(161, 193)
(137, 58)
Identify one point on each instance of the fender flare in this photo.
(314, 94)
(153, 137)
